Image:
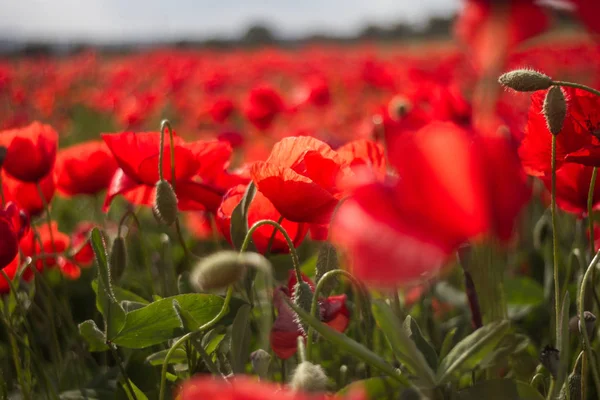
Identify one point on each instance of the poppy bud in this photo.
(309, 377)
(118, 258)
(525, 80)
(165, 203)
(551, 360)
(398, 107)
(590, 321)
(555, 109)
(218, 270)
(260, 360)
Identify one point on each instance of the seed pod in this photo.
(555, 109)
(218, 270)
(309, 377)
(525, 80)
(260, 360)
(551, 360)
(118, 258)
(165, 203)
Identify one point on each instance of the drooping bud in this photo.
(525, 80)
(118, 258)
(218, 270)
(590, 322)
(260, 360)
(555, 109)
(309, 377)
(164, 207)
(551, 360)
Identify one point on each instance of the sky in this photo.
(124, 20)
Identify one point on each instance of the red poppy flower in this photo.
(13, 225)
(364, 154)
(85, 168)
(285, 330)
(492, 29)
(31, 151)
(247, 388)
(26, 195)
(196, 164)
(315, 92)
(11, 271)
(262, 106)
(300, 178)
(260, 208)
(572, 187)
(452, 186)
(80, 241)
(221, 109)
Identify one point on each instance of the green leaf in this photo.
(214, 343)
(374, 388)
(106, 302)
(495, 389)
(447, 343)
(414, 332)
(510, 344)
(137, 393)
(522, 294)
(132, 305)
(93, 336)
(178, 357)
(188, 322)
(88, 394)
(528, 392)
(240, 339)
(159, 322)
(239, 218)
(122, 294)
(403, 347)
(472, 349)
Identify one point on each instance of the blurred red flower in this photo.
(262, 105)
(26, 195)
(13, 225)
(49, 253)
(572, 187)
(31, 151)
(260, 208)
(80, 242)
(85, 168)
(197, 165)
(221, 109)
(285, 330)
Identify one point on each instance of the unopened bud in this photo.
(590, 322)
(551, 360)
(309, 377)
(165, 203)
(555, 109)
(398, 107)
(218, 270)
(260, 360)
(118, 258)
(525, 80)
(302, 297)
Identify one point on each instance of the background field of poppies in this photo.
(440, 235)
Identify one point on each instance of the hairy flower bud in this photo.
(165, 203)
(218, 270)
(309, 377)
(525, 80)
(118, 258)
(555, 109)
(260, 360)
(551, 360)
(590, 322)
(302, 298)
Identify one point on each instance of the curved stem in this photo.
(555, 242)
(132, 216)
(583, 330)
(164, 125)
(184, 338)
(290, 243)
(577, 86)
(590, 207)
(315, 301)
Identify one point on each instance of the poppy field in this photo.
(366, 221)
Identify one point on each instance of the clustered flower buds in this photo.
(309, 377)
(165, 203)
(555, 109)
(525, 80)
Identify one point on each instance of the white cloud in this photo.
(154, 19)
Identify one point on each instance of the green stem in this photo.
(301, 349)
(315, 301)
(115, 354)
(577, 86)
(555, 254)
(164, 125)
(590, 207)
(184, 338)
(583, 330)
(290, 243)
